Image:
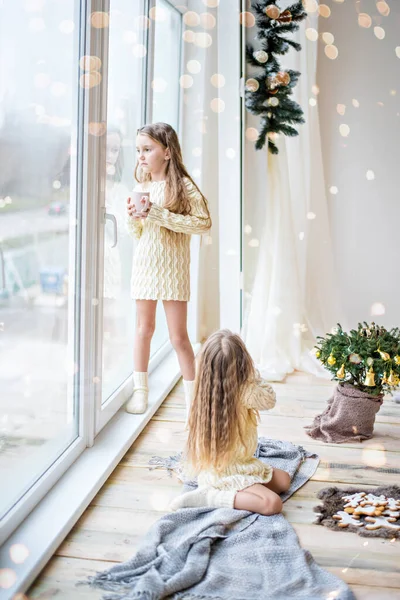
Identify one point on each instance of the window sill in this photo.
(50, 522)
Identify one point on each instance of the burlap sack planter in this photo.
(348, 417)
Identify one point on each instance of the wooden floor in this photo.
(134, 497)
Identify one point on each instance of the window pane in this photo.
(38, 121)
(166, 64)
(126, 91)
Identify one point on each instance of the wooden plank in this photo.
(363, 592)
(58, 580)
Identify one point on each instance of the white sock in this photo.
(204, 497)
(189, 393)
(138, 403)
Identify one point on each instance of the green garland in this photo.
(368, 357)
(268, 94)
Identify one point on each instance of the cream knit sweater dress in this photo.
(245, 470)
(161, 262)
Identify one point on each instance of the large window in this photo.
(38, 251)
(73, 91)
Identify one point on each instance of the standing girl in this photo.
(161, 263)
(223, 433)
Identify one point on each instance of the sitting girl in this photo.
(223, 433)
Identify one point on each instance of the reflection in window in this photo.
(38, 99)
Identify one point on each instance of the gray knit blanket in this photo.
(226, 554)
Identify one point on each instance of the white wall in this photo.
(365, 215)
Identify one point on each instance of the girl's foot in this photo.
(201, 497)
(138, 403)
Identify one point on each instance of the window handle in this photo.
(113, 220)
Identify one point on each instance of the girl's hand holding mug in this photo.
(139, 205)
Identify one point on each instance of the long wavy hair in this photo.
(217, 415)
(176, 196)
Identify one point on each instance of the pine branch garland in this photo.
(267, 93)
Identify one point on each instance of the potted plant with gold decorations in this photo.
(366, 364)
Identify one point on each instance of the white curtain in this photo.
(293, 296)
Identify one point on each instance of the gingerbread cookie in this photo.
(345, 519)
(354, 500)
(369, 510)
(378, 522)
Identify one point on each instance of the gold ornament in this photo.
(261, 56)
(397, 359)
(318, 354)
(252, 85)
(384, 378)
(331, 360)
(283, 78)
(285, 17)
(272, 11)
(393, 379)
(370, 361)
(384, 355)
(370, 378)
(341, 373)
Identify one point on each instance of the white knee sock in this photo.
(212, 498)
(189, 393)
(138, 403)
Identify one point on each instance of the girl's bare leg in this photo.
(176, 313)
(145, 325)
(264, 498)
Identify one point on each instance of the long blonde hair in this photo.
(217, 414)
(176, 196)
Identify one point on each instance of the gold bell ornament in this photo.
(397, 359)
(370, 378)
(393, 379)
(331, 360)
(341, 373)
(384, 378)
(384, 355)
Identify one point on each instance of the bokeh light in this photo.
(251, 134)
(331, 51)
(324, 10)
(19, 553)
(364, 20)
(191, 19)
(247, 19)
(377, 309)
(193, 66)
(100, 20)
(311, 34)
(344, 130)
(217, 105)
(202, 40)
(218, 80)
(186, 81)
(207, 20)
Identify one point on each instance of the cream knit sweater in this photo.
(219, 488)
(161, 263)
